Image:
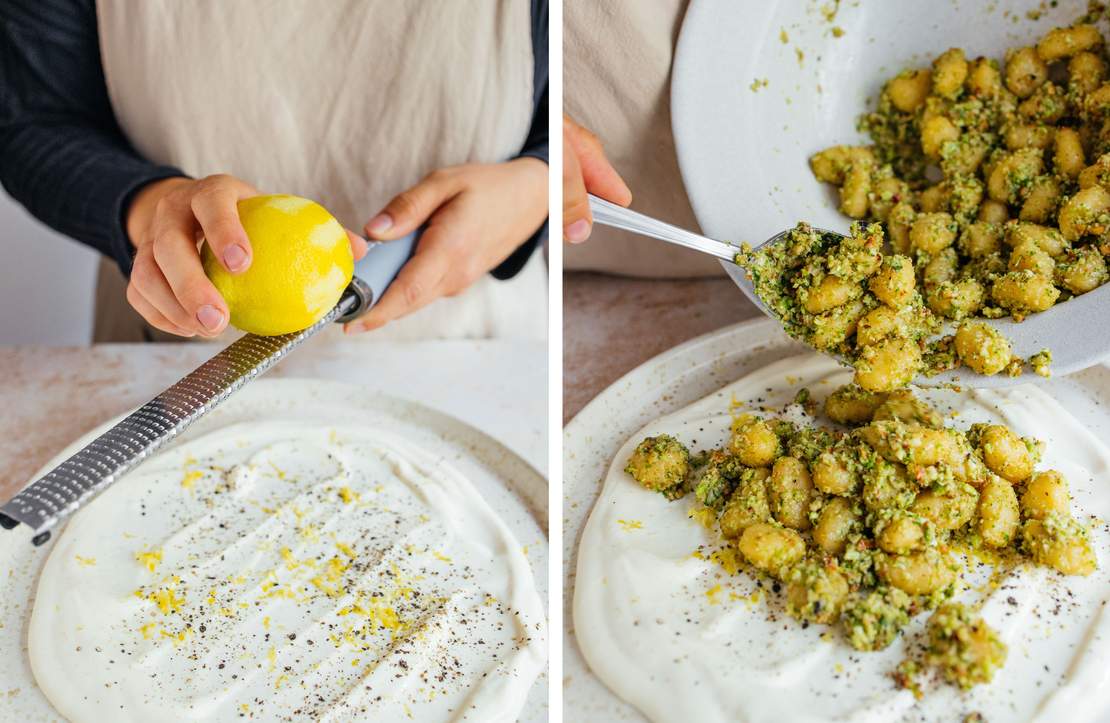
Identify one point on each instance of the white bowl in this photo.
(744, 153)
(743, 146)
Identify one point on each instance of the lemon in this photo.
(301, 263)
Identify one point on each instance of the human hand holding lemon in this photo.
(303, 263)
(272, 264)
(474, 216)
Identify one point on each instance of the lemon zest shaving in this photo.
(166, 598)
(190, 478)
(150, 559)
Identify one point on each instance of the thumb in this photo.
(411, 208)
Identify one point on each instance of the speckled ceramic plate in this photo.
(759, 87)
(666, 384)
(514, 489)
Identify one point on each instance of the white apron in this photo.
(617, 82)
(347, 102)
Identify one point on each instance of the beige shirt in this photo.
(617, 82)
(347, 102)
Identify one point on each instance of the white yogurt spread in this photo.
(286, 571)
(683, 637)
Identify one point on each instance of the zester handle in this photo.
(376, 271)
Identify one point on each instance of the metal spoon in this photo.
(1077, 331)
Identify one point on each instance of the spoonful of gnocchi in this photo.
(853, 297)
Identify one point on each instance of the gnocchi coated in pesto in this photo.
(851, 297)
(868, 521)
(986, 193)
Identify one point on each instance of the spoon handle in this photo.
(610, 214)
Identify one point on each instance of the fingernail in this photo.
(380, 223)
(578, 231)
(210, 317)
(235, 258)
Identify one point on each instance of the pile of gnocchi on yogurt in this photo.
(985, 193)
(988, 187)
(868, 523)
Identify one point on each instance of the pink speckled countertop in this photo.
(612, 324)
(51, 396)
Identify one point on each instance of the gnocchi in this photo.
(985, 192)
(982, 348)
(1046, 493)
(859, 523)
(1020, 216)
(771, 548)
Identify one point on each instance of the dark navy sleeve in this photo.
(536, 144)
(62, 154)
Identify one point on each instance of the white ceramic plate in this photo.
(666, 384)
(744, 152)
(509, 484)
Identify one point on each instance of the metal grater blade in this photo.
(55, 496)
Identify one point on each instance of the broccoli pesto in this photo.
(873, 620)
(851, 296)
(660, 464)
(859, 520)
(816, 592)
(962, 647)
(1041, 363)
(992, 178)
(715, 479)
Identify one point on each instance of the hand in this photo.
(165, 222)
(476, 216)
(586, 170)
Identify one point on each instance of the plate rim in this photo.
(451, 419)
(578, 428)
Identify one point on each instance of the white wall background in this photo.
(46, 282)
